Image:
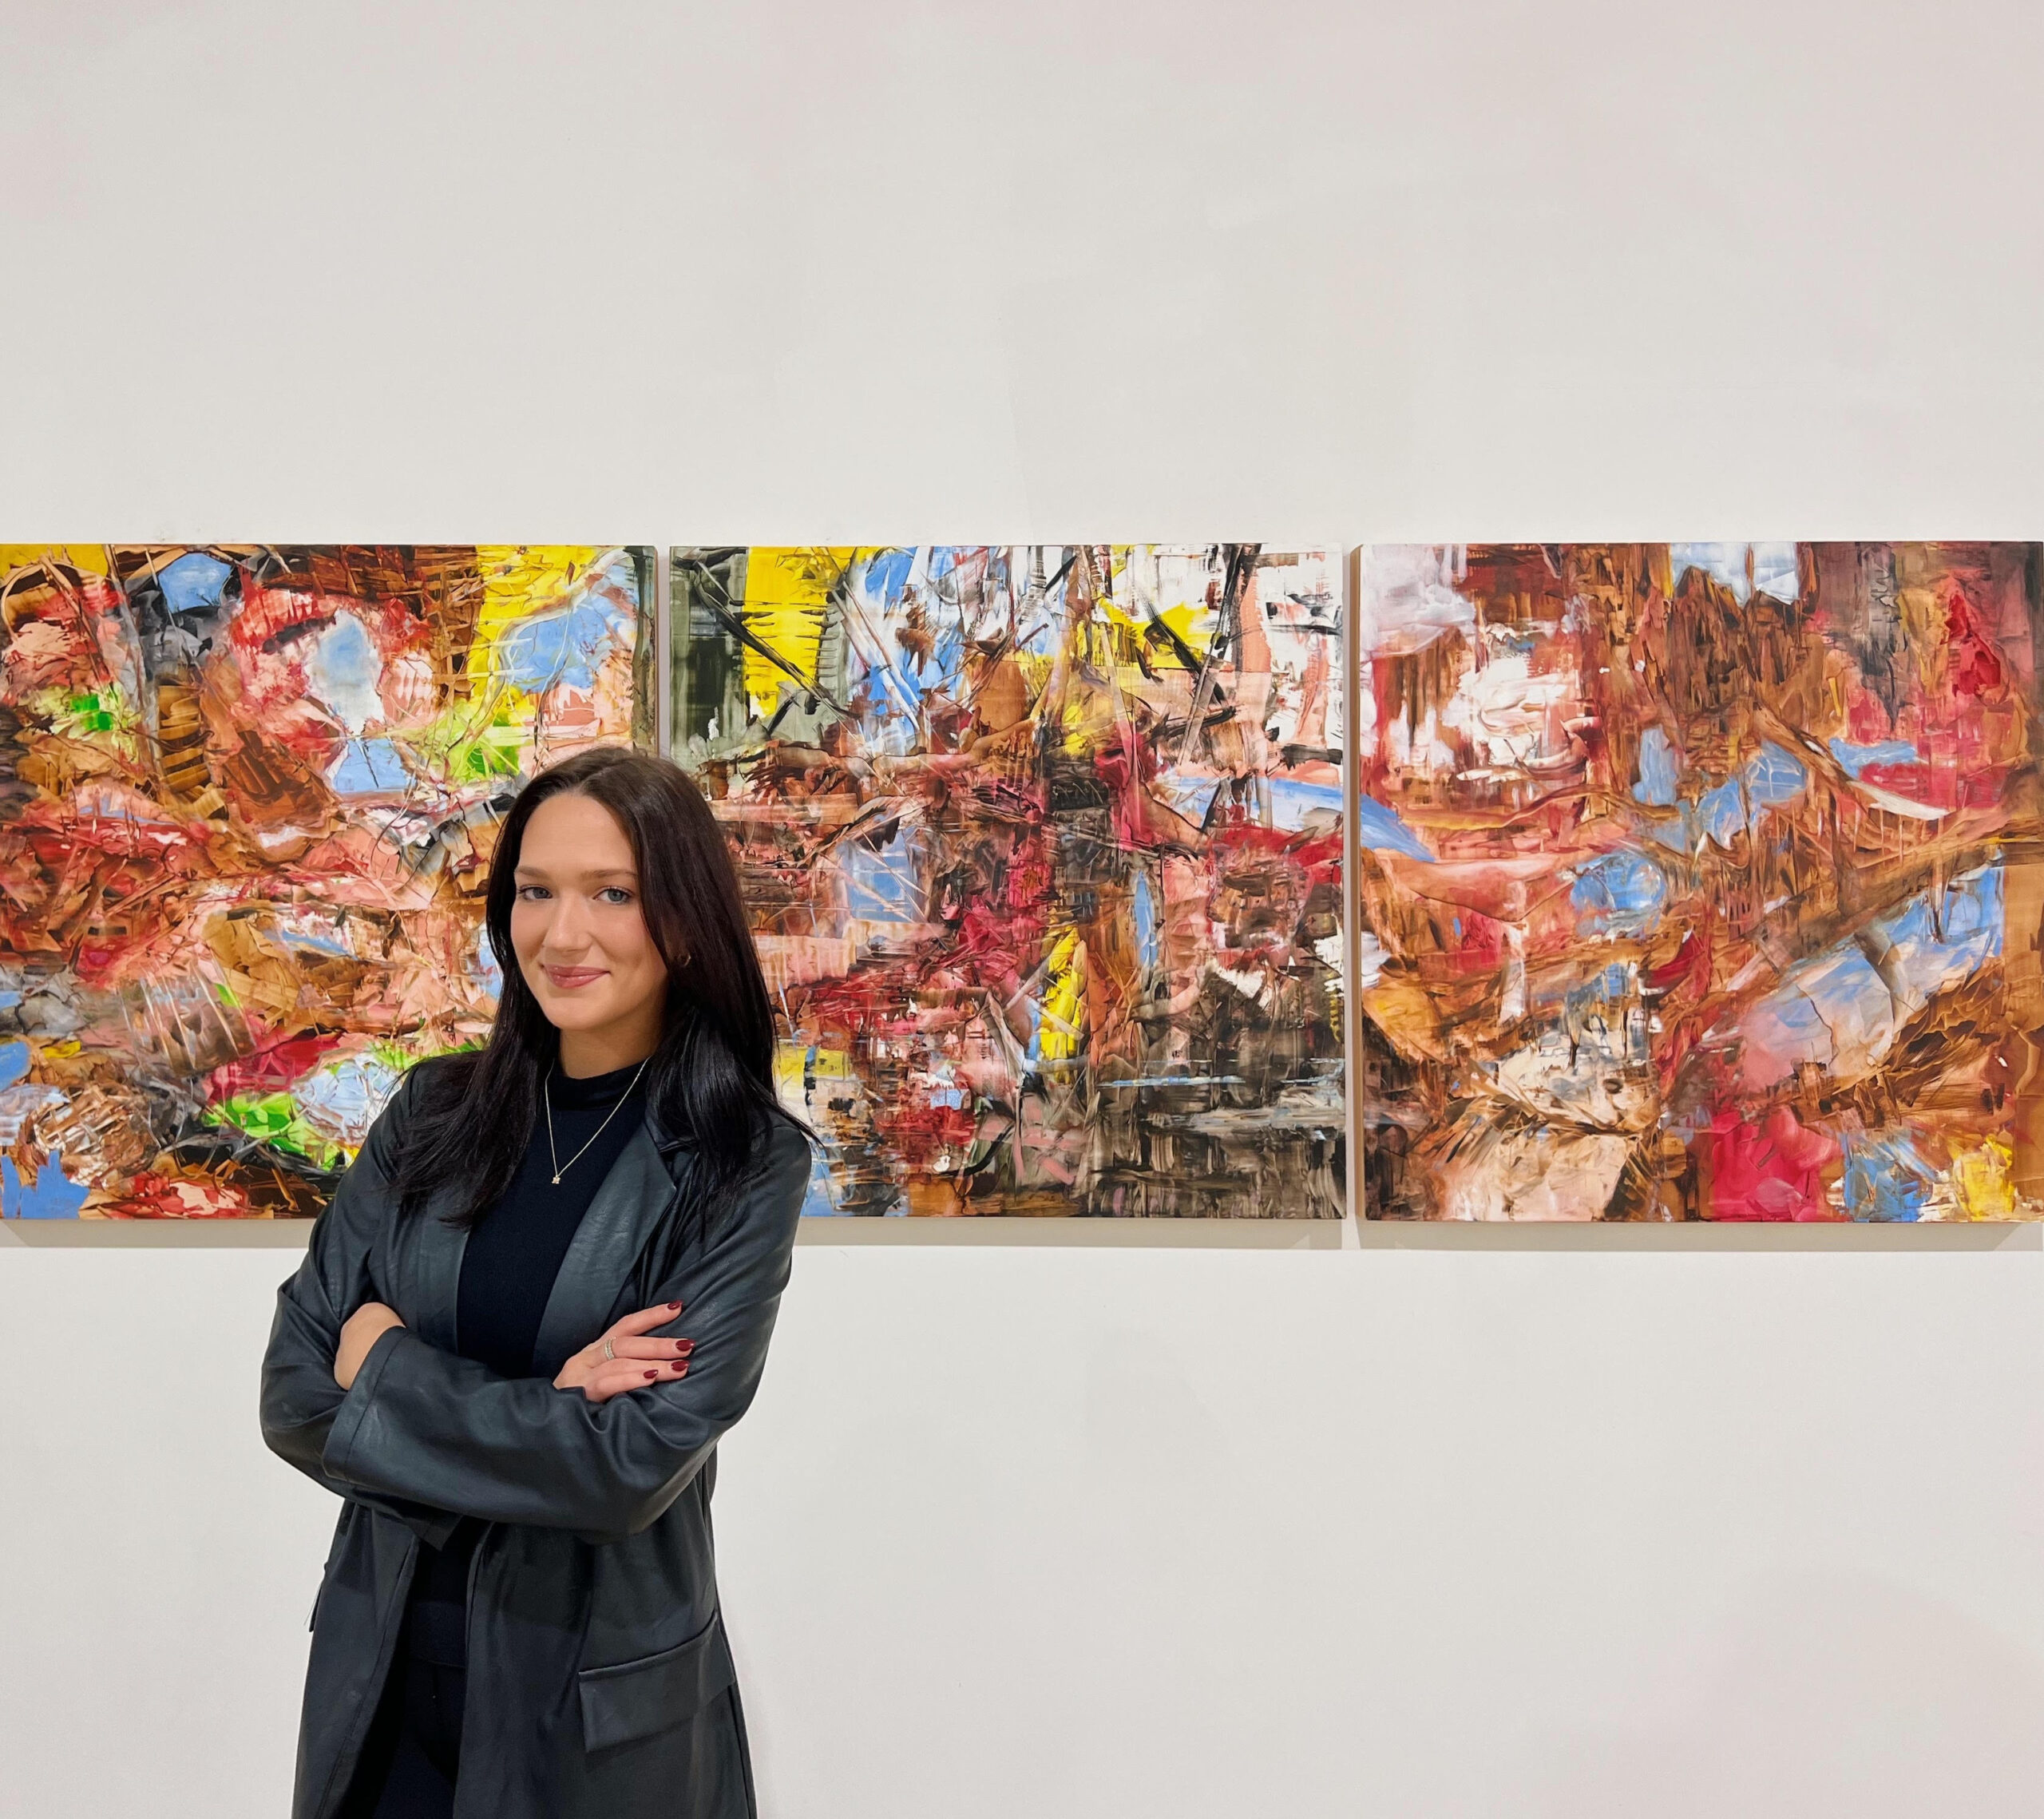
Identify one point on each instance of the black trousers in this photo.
(413, 1747)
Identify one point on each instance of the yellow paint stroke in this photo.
(518, 580)
(1064, 1030)
(1087, 721)
(795, 1061)
(88, 558)
(1036, 666)
(1983, 1182)
(797, 1068)
(1193, 625)
(787, 607)
(487, 736)
(1188, 615)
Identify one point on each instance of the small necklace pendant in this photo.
(556, 1181)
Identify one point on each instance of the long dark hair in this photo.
(711, 1080)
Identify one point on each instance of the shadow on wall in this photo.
(1825, 1696)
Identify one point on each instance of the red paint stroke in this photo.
(1770, 1170)
(275, 1065)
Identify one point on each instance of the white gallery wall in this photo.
(1088, 1525)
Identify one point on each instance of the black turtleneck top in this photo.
(508, 1269)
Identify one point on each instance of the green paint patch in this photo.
(103, 716)
(273, 1119)
(457, 749)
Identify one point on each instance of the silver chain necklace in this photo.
(546, 1092)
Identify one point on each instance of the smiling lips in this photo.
(571, 978)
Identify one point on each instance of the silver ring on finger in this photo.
(609, 1350)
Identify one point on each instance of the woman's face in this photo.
(581, 940)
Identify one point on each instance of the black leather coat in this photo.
(599, 1680)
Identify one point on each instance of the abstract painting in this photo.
(1043, 849)
(248, 796)
(1701, 880)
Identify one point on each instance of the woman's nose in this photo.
(569, 925)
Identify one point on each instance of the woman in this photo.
(541, 1295)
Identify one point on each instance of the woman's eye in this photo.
(533, 893)
(614, 895)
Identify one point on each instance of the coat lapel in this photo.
(436, 1274)
(629, 1206)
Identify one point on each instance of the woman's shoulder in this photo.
(435, 1086)
(774, 1180)
(438, 1076)
(781, 1169)
(785, 1139)
(766, 1201)
(428, 1086)
(778, 1140)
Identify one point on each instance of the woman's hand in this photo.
(363, 1328)
(624, 1358)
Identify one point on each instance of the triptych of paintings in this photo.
(1613, 882)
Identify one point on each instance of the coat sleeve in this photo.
(300, 1398)
(424, 1426)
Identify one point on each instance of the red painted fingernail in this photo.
(681, 1371)
(675, 1305)
(651, 1375)
(684, 1345)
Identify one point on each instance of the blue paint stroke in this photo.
(303, 941)
(349, 1093)
(1610, 985)
(1040, 639)
(1178, 1080)
(1776, 571)
(1772, 778)
(880, 587)
(886, 885)
(1148, 948)
(54, 1196)
(193, 583)
(882, 578)
(1857, 994)
(1192, 797)
(1658, 770)
(1937, 939)
(1774, 567)
(1379, 828)
(1293, 802)
(567, 645)
(14, 1063)
(1855, 759)
(1720, 814)
(482, 965)
(1887, 1181)
(1833, 1001)
(1622, 894)
(369, 767)
(341, 666)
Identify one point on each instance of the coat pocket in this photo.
(332, 1553)
(636, 1699)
